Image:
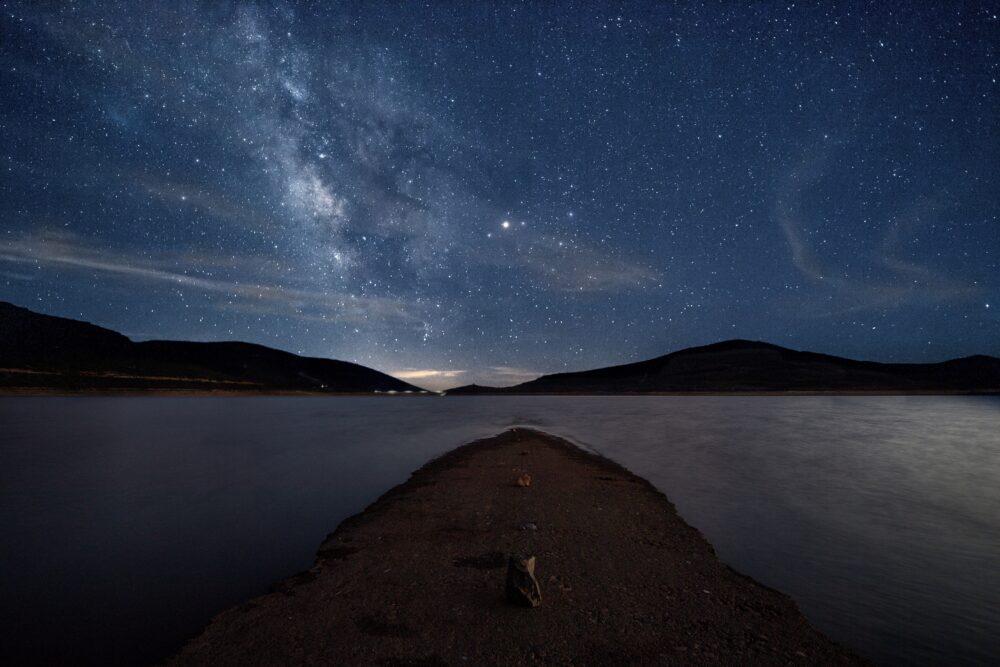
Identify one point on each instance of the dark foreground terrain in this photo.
(418, 578)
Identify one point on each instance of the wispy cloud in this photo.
(59, 249)
(209, 200)
(890, 280)
(567, 265)
(789, 215)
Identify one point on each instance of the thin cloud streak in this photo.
(60, 249)
(431, 378)
(210, 201)
(566, 265)
(515, 374)
(419, 374)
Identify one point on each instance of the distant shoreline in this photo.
(41, 392)
(52, 391)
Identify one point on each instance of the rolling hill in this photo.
(737, 366)
(54, 353)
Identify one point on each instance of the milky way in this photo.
(491, 191)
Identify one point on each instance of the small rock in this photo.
(529, 526)
(524, 480)
(522, 587)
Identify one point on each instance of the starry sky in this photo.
(483, 192)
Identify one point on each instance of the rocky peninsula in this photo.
(418, 578)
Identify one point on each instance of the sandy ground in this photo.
(417, 579)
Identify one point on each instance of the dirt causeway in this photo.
(417, 579)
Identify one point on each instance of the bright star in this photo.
(505, 224)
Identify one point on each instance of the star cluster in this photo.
(489, 191)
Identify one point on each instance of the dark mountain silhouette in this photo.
(751, 366)
(42, 351)
(471, 389)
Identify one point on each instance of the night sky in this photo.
(488, 192)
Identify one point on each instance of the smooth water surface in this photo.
(126, 523)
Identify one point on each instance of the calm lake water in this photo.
(126, 523)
